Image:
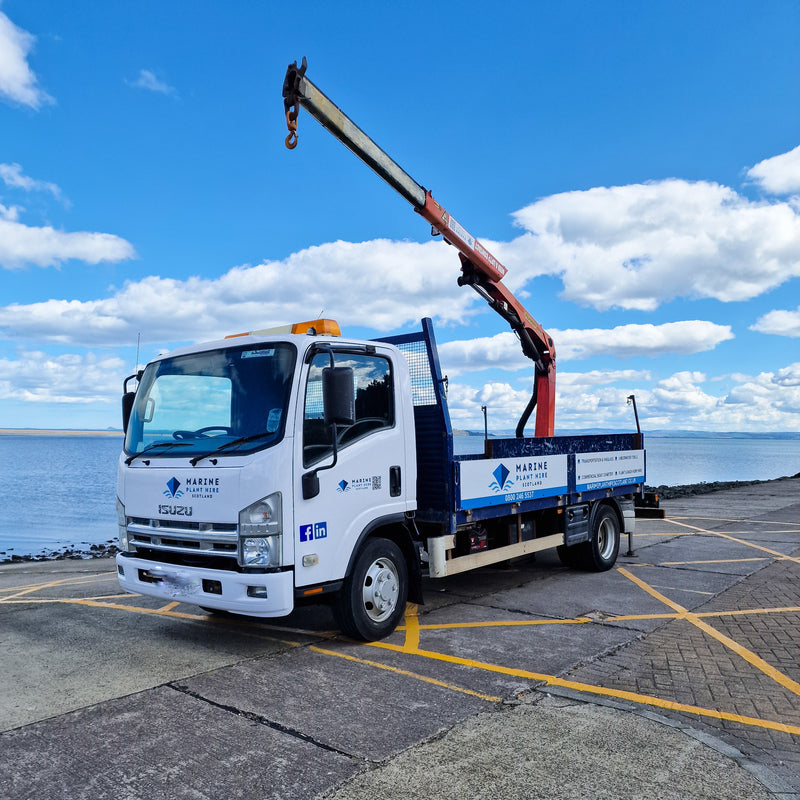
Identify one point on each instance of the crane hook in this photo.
(291, 99)
(291, 124)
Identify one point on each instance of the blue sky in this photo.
(636, 166)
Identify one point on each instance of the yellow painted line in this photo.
(584, 620)
(634, 617)
(643, 699)
(232, 621)
(406, 673)
(169, 606)
(411, 627)
(136, 609)
(32, 601)
(750, 657)
(33, 587)
(690, 591)
(500, 624)
(725, 519)
(763, 549)
(742, 612)
(36, 588)
(714, 561)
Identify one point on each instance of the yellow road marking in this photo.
(408, 674)
(36, 588)
(750, 657)
(690, 591)
(551, 680)
(724, 519)
(169, 606)
(19, 591)
(502, 624)
(32, 601)
(714, 561)
(781, 556)
(411, 626)
(784, 610)
(242, 622)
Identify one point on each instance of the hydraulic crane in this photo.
(479, 268)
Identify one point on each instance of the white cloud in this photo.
(781, 323)
(45, 246)
(503, 350)
(17, 81)
(36, 377)
(684, 400)
(11, 175)
(788, 376)
(148, 80)
(598, 377)
(624, 341)
(640, 245)
(319, 279)
(779, 174)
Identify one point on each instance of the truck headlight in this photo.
(122, 527)
(260, 532)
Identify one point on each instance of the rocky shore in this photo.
(69, 552)
(671, 492)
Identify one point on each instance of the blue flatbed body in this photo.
(512, 476)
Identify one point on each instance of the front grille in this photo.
(179, 536)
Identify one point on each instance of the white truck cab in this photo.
(228, 496)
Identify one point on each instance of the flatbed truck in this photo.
(296, 465)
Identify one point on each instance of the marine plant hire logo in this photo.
(501, 482)
(173, 488)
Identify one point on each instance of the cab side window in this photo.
(373, 393)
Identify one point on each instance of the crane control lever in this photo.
(479, 268)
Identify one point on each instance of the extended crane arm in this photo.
(479, 268)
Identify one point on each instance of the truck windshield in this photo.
(205, 400)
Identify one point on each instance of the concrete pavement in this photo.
(674, 675)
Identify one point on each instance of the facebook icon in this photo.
(306, 533)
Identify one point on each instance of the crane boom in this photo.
(479, 268)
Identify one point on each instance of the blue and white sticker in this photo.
(314, 530)
(494, 482)
(608, 469)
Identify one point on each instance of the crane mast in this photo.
(479, 268)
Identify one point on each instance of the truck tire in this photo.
(600, 552)
(570, 556)
(373, 597)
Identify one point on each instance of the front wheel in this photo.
(373, 597)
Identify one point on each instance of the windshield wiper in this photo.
(235, 443)
(154, 446)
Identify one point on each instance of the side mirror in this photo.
(338, 398)
(338, 408)
(127, 407)
(127, 399)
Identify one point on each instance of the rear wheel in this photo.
(600, 552)
(373, 597)
(570, 556)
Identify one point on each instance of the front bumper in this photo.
(266, 595)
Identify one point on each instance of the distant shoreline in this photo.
(54, 432)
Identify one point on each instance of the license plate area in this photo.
(174, 583)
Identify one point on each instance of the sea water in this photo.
(58, 492)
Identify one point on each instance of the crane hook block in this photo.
(291, 99)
